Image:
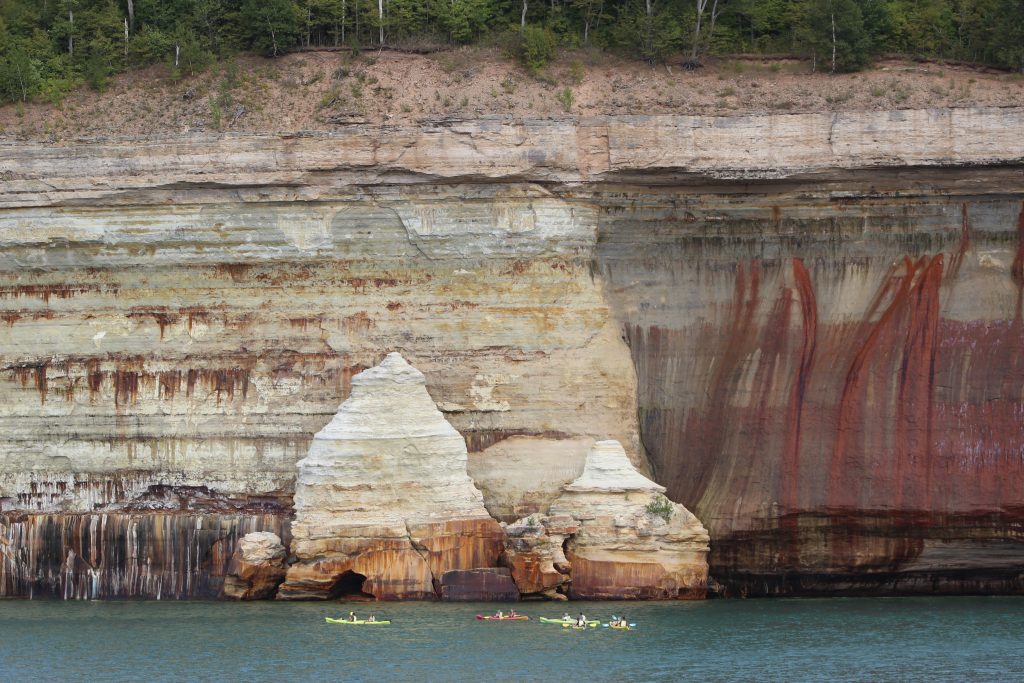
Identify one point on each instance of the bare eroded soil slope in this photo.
(325, 90)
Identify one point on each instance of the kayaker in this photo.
(566, 617)
(372, 618)
(499, 615)
(352, 616)
(582, 620)
(511, 613)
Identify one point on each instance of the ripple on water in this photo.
(882, 639)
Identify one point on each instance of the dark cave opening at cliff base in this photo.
(349, 586)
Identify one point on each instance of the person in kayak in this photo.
(352, 616)
(499, 615)
(512, 613)
(581, 620)
(372, 618)
(566, 617)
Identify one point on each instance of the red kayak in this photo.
(518, 617)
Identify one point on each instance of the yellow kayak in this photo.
(358, 622)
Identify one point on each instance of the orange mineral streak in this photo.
(618, 580)
(459, 544)
(407, 568)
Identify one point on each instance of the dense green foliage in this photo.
(49, 46)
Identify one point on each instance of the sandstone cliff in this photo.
(383, 504)
(816, 318)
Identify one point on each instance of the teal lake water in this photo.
(878, 639)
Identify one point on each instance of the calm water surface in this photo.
(882, 639)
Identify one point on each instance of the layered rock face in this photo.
(816, 315)
(830, 377)
(615, 535)
(384, 495)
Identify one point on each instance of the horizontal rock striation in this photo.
(815, 317)
(384, 494)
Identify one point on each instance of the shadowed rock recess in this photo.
(806, 327)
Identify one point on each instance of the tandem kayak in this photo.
(570, 622)
(518, 617)
(358, 622)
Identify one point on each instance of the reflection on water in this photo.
(877, 639)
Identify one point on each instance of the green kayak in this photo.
(570, 622)
(358, 622)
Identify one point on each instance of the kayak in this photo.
(570, 622)
(574, 627)
(358, 622)
(518, 617)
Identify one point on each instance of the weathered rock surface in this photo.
(384, 494)
(179, 315)
(534, 554)
(624, 549)
(257, 567)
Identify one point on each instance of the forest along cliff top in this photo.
(326, 91)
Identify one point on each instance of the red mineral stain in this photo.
(358, 323)
(798, 392)
(169, 382)
(302, 323)
(913, 460)
(94, 377)
(194, 314)
(889, 389)
(846, 461)
(126, 387)
(236, 271)
(47, 291)
(224, 382)
(31, 372)
(161, 315)
(739, 338)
